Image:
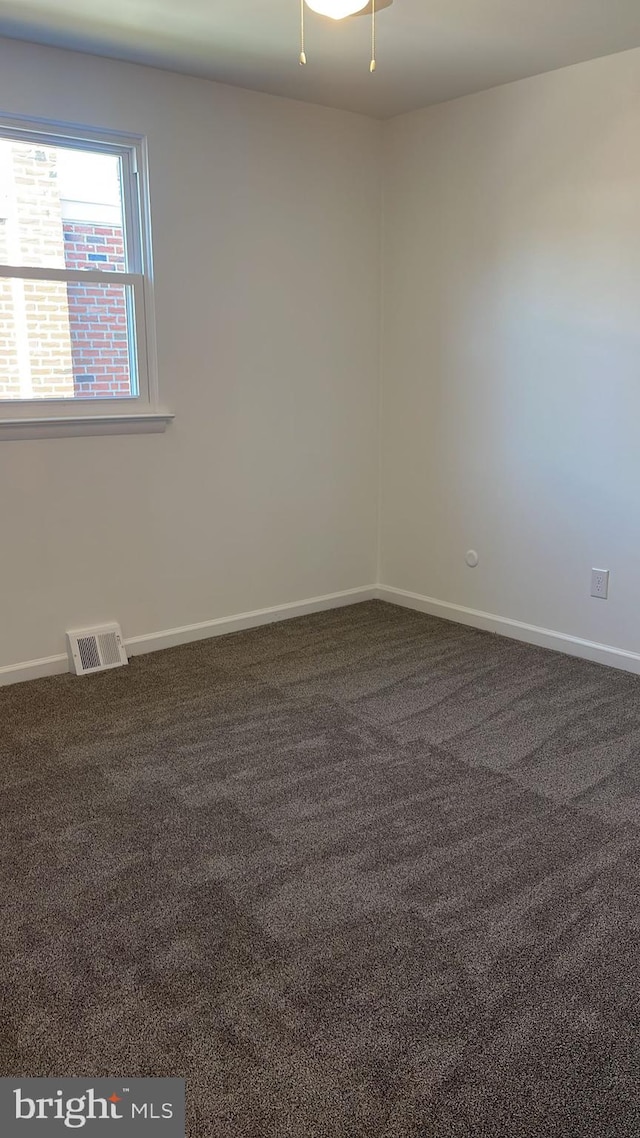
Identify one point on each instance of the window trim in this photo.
(87, 413)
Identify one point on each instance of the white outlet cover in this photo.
(600, 584)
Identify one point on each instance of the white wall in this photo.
(511, 361)
(264, 491)
(511, 391)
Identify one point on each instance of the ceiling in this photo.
(428, 50)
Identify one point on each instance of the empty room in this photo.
(320, 568)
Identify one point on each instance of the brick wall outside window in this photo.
(39, 341)
(97, 313)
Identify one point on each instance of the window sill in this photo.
(66, 426)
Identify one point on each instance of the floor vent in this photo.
(96, 649)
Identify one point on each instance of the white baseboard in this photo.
(516, 629)
(172, 637)
(490, 622)
(34, 669)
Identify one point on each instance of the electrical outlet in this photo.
(600, 583)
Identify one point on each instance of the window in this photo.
(76, 327)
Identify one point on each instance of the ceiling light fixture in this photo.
(336, 9)
(339, 10)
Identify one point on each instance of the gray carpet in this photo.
(365, 873)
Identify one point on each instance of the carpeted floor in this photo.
(365, 874)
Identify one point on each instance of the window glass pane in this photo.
(60, 207)
(66, 340)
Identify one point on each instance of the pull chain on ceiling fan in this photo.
(339, 10)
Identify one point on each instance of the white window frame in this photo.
(29, 418)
